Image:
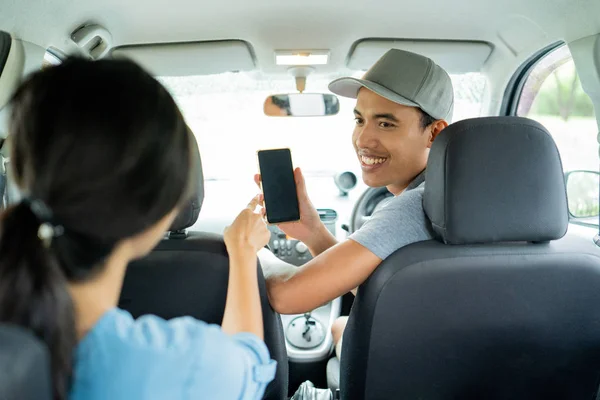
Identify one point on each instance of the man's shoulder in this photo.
(400, 222)
(408, 201)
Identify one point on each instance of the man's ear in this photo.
(434, 130)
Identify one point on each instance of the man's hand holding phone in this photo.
(309, 228)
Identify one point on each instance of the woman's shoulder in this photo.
(150, 332)
(187, 354)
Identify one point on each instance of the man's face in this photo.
(391, 145)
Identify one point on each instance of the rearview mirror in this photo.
(582, 192)
(301, 105)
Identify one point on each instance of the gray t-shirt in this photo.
(400, 222)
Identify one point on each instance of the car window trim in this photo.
(514, 89)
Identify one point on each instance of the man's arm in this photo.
(333, 273)
(345, 266)
(334, 265)
(320, 240)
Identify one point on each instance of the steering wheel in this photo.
(370, 201)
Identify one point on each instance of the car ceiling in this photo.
(514, 27)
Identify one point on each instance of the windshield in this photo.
(225, 112)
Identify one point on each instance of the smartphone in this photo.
(278, 185)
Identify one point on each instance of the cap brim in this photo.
(349, 87)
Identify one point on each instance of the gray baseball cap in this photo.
(405, 78)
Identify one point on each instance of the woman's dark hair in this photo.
(101, 153)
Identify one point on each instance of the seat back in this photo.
(187, 275)
(501, 305)
(24, 366)
(487, 322)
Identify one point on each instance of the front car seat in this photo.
(503, 305)
(187, 274)
(24, 366)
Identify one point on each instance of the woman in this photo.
(103, 158)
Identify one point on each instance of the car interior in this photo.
(501, 305)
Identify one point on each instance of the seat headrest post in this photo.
(178, 235)
(496, 179)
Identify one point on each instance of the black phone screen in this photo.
(278, 185)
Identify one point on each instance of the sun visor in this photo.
(455, 57)
(197, 58)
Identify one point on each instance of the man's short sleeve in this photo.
(399, 223)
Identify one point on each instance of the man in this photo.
(403, 102)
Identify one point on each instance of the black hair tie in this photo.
(48, 228)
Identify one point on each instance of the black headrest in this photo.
(495, 179)
(190, 210)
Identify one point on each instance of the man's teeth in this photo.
(372, 160)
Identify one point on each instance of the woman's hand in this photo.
(244, 238)
(248, 233)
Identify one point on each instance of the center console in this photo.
(308, 336)
(294, 251)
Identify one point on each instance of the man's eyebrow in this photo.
(391, 117)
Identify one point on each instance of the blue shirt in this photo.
(150, 358)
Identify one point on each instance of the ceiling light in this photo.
(301, 58)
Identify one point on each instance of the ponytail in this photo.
(33, 290)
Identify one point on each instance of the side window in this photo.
(553, 96)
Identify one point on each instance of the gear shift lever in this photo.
(305, 332)
(308, 325)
